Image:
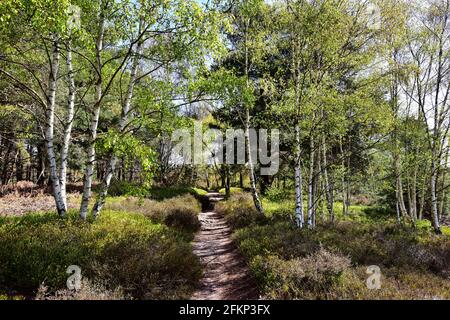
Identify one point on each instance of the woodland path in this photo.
(225, 274)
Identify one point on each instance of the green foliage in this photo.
(240, 212)
(232, 190)
(327, 262)
(315, 276)
(276, 194)
(125, 188)
(18, 122)
(130, 148)
(179, 212)
(199, 192)
(171, 192)
(121, 249)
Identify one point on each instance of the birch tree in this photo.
(429, 49)
(109, 16)
(52, 31)
(249, 46)
(328, 41)
(167, 35)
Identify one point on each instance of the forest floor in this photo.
(225, 274)
(18, 205)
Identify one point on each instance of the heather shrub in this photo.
(240, 212)
(311, 277)
(180, 212)
(119, 249)
(120, 188)
(19, 188)
(88, 291)
(293, 263)
(280, 238)
(163, 193)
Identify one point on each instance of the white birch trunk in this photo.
(89, 172)
(310, 184)
(344, 189)
(399, 189)
(299, 215)
(434, 202)
(328, 184)
(68, 124)
(122, 125)
(256, 200)
(49, 131)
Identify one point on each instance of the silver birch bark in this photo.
(299, 211)
(413, 209)
(68, 124)
(255, 196)
(310, 184)
(50, 126)
(399, 184)
(422, 197)
(443, 203)
(328, 184)
(89, 172)
(344, 189)
(298, 181)
(122, 125)
(434, 202)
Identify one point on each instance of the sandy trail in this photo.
(225, 274)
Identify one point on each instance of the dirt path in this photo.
(225, 274)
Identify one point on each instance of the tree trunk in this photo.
(311, 184)
(227, 182)
(19, 165)
(443, 202)
(256, 200)
(49, 131)
(111, 166)
(317, 185)
(68, 124)
(422, 197)
(413, 205)
(251, 168)
(434, 204)
(89, 172)
(399, 184)
(40, 174)
(208, 184)
(299, 215)
(6, 163)
(328, 183)
(343, 180)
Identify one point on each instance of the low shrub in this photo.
(233, 190)
(125, 188)
(119, 249)
(160, 193)
(277, 194)
(88, 291)
(311, 277)
(240, 212)
(283, 257)
(280, 238)
(180, 212)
